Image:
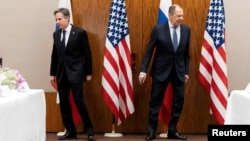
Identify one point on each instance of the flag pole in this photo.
(164, 135)
(113, 133)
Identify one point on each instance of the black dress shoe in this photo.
(150, 137)
(90, 134)
(67, 136)
(176, 135)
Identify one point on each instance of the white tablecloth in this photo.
(22, 116)
(238, 108)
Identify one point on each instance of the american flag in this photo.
(165, 111)
(117, 85)
(213, 68)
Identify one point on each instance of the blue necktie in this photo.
(175, 41)
(63, 39)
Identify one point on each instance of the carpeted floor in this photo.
(128, 137)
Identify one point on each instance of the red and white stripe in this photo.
(117, 84)
(213, 76)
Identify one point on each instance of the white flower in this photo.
(11, 78)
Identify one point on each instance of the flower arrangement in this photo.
(10, 77)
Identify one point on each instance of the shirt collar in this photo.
(68, 28)
(171, 25)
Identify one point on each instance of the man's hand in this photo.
(88, 77)
(52, 79)
(142, 77)
(186, 78)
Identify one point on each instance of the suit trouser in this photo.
(157, 95)
(77, 90)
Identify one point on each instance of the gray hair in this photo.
(64, 11)
(172, 8)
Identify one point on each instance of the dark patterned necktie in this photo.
(63, 39)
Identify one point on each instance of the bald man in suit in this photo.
(170, 65)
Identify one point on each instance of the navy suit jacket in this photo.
(165, 58)
(75, 60)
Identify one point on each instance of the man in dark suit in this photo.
(71, 65)
(170, 64)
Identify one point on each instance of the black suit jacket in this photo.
(165, 58)
(75, 60)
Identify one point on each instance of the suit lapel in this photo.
(58, 40)
(167, 31)
(58, 37)
(182, 33)
(71, 35)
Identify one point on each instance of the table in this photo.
(23, 116)
(238, 108)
